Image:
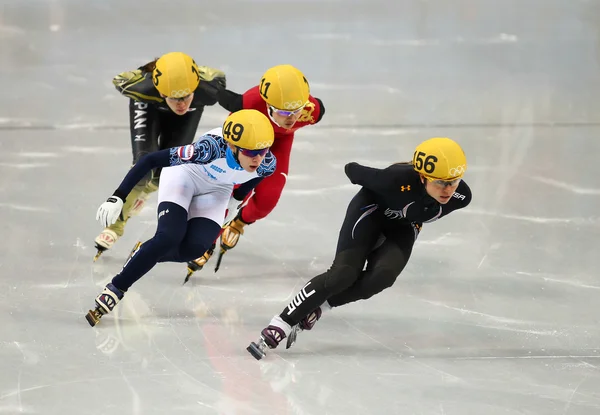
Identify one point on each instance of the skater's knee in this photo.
(167, 240)
(381, 279)
(188, 252)
(339, 277)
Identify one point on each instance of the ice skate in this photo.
(105, 241)
(230, 237)
(306, 323)
(270, 338)
(110, 235)
(197, 264)
(105, 302)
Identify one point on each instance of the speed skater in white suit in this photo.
(197, 188)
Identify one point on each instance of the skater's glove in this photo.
(232, 209)
(231, 233)
(109, 211)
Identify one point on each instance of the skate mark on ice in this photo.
(357, 87)
(533, 357)
(136, 404)
(319, 191)
(24, 166)
(25, 208)
(568, 405)
(498, 319)
(445, 375)
(498, 39)
(533, 219)
(566, 186)
(37, 155)
(95, 150)
(559, 281)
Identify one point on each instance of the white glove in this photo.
(232, 209)
(109, 211)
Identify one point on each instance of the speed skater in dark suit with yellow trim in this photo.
(376, 239)
(167, 98)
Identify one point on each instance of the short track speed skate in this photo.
(270, 338)
(105, 302)
(198, 264)
(109, 297)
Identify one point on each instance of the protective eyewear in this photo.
(444, 183)
(182, 99)
(286, 113)
(253, 153)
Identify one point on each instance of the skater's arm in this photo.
(244, 189)
(212, 81)
(266, 168)
(204, 151)
(319, 109)
(377, 180)
(137, 85)
(145, 164)
(268, 165)
(230, 100)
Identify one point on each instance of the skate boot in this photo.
(133, 206)
(230, 236)
(197, 264)
(270, 338)
(105, 241)
(105, 302)
(306, 323)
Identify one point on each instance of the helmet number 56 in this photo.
(424, 162)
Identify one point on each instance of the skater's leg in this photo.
(201, 232)
(383, 267)
(172, 220)
(174, 199)
(359, 233)
(172, 225)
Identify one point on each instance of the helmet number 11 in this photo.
(264, 87)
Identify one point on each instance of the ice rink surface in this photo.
(498, 310)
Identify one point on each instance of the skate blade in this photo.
(221, 253)
(100, 251)
(92, 317)
(255, 351)
(135, 248)
(189, 274)
(292, 337)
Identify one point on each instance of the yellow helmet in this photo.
(176, 75)
(248, 129)
(440, 158)
(284, 87)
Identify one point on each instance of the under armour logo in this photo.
(405, 188)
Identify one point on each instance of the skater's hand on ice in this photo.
(109, 211)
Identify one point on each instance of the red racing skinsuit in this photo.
(268, 191)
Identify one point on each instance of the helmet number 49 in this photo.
(424, 162)
(233, 131)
